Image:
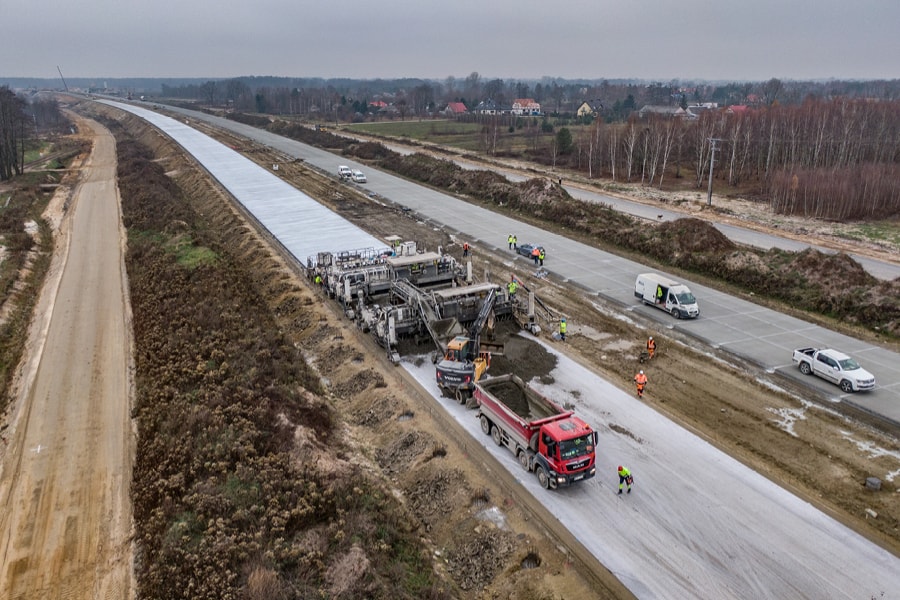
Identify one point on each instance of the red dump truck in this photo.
(545, 437)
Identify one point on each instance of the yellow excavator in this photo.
(466, 357)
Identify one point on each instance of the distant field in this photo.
(465, 136)
(449, 133)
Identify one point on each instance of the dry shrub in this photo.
(346, 570)
(265, 584)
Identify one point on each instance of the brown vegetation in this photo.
(26, 243)
(222, 500)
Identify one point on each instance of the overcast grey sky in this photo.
(508, 39)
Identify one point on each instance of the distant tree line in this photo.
(346, 99)
(12, 134)
(834, 159)
(822, 149)
(21, 122)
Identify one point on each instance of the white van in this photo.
(344, 172)
(667, 295)
(357, 176)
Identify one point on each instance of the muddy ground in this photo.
(809, 449)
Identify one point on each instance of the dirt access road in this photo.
(65, 513)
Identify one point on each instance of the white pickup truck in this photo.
(836, 367)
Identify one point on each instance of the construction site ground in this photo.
(782, 433)
(804, 446)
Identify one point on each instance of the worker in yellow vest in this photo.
(624, 477)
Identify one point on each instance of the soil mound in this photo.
(693, 235)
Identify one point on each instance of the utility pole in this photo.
(712, 161)
(63, 79)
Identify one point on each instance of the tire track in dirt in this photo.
(66, 518)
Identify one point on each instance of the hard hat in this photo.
(620, 468)
(651, 337)
(642, 372)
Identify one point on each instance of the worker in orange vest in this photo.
(640, 380)
(466, 249)
(651, 347)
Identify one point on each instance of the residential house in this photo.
(526, 106)
(588, 108)
(455, 108)
(488, 107)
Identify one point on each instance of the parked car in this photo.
(834, 366)
(344, 172)
(357, 176)
(526, 249)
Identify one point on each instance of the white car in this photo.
(834, 366)
(357, 176)
(344, 172)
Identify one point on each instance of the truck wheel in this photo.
(495, 433)
(523, 459)
(485, 425)
(460, 396)
(543, 478)
(676, 313)
(805, 368)
(846, 386)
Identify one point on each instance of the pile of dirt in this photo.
(692, 236)
(823, 270)
(523, 358)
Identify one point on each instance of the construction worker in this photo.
(541, 257)
(651, 347)
(512, 287)
(624, 477)
(562, 329)
(509, 240)
(318, 280)
(659, 294)
(535, 254)
(515, 242)
(466, 249)
(640, 380)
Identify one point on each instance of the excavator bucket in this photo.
(494, 349)
(444, 330)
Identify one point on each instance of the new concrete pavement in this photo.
(751, 333)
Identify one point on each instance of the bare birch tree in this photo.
(629, 141)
